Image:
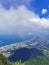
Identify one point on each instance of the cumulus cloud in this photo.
(21, 21)
(44, 11)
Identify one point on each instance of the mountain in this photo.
(24, 54)
(38, 42)
(31, 52)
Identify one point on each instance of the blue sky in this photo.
(24, 16)
(33, 5)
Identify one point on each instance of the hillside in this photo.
(39, 60)
(31, 52)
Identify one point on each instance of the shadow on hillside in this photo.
(24, 54)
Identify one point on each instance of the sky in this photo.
(24, 17)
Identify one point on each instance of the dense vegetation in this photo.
(3, 60)
(40, 60)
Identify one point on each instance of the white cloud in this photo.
(21, 21)
(30, 33)
(44, 11)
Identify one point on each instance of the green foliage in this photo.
(3, 60)
(17, 63)
(40, 60)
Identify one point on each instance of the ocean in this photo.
(10, 39)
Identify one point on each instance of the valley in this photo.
(31, 52)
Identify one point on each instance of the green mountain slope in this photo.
(40, 60)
